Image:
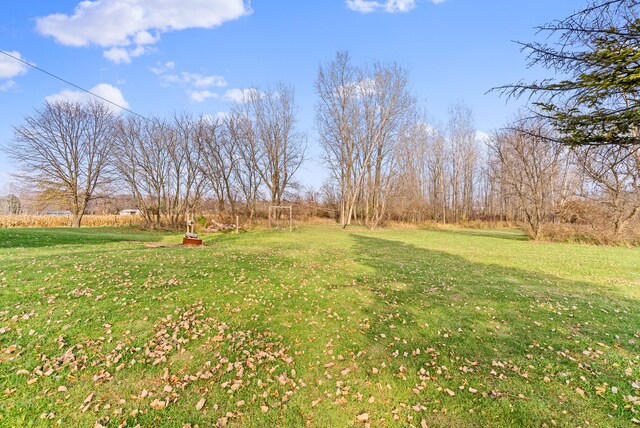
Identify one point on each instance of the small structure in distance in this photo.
(57, 212)
(130, 211)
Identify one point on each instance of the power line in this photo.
(72, 84)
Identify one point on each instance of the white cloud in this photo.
(222, 115)
(389, 6)
(104, 90)
(399, 5)
(123, 55)
(10, 68)
(200, 81)
(201, 96)
(127, 28)
(196, 85)
(482, 136)
(6, 85)
(162, 69)
(213, 118)
(363, 6)
(167, 76)
(239, 95)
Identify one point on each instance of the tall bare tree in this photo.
(411, 190)
(159, 161)
(388, 108)
(218, 160)
(337, 121)
(143, 163)
(247, 178)
(464, 158)
(530, 169)
(186, 180)
(361, 116)
(63, 149)
(280, 146)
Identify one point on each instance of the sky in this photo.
(156, 57)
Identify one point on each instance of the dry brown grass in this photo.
(65, 221)
(470, 224)
(589, 234)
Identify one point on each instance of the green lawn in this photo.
(318, 327)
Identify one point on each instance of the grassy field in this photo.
(319, 327)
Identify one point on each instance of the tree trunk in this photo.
(76, 219)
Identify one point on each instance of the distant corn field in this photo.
(64, 221)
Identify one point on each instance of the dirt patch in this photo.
(161, 245)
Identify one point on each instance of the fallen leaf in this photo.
(158, 404)
(88, 399)
(200, 404)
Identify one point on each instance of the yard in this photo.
(319, 327)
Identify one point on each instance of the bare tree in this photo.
(186, 180)
(247, 178)
(388, 109)
(362, 115)
(337, 119)
(614, 175)
(218, 160)
(411, 189)
(279, 145)
(463, 160)
(142, 162)
(437, 159)
(530, 169)
(159, 161)
(63, 149)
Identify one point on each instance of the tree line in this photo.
(571, 157)
(78, 152)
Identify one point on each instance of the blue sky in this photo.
(157, 57)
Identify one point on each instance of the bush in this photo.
(588, 234)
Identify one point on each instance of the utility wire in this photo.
(72, 84)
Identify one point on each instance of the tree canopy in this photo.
(596, 53)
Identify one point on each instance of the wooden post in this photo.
(237, 225)
(269, 217)
(290, 219)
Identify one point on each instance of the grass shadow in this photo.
(517, 331)
(49, 237)
(508, 234)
